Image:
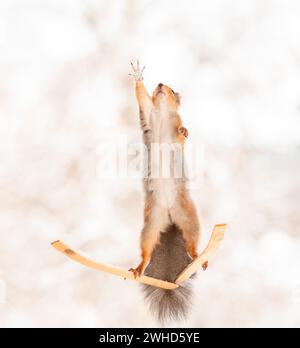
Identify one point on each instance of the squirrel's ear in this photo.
(177, 98)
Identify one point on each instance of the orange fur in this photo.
(144, 100)
(184, 214)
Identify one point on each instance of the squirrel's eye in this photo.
(172, 91)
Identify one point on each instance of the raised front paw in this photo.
(183, 131)
(137, 72)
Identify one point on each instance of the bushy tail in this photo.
(168, 260)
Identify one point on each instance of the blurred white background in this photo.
(64, 90)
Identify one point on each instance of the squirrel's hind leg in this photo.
(186, 218)
(150, 237)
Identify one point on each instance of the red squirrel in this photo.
(171, 231)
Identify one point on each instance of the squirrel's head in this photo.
(163, 95)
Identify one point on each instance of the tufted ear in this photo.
(177, 98)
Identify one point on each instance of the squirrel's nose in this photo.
(160, 85)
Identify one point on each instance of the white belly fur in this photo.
(165, 189)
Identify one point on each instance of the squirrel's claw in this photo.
(133, 68)
(137, 72)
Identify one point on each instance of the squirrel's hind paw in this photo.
(137, 272)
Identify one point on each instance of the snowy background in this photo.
(64, 91)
